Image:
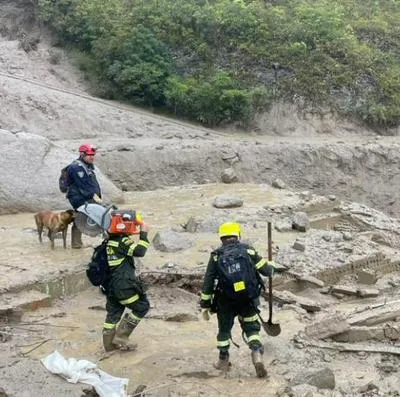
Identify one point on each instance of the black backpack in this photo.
(238, 278)
(98, 271)
(63, 180)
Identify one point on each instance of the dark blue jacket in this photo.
(82, 183)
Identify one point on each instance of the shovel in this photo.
(269, 327)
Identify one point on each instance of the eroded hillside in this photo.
(337, 302)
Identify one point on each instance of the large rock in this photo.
(226, 201)
(322, 379)
(30, 166)
(170, 241)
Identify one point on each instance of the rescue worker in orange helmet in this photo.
(124, 290)
(231, 287)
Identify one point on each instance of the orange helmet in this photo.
(87, 148)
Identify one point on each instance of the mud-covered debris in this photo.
(327, 327)
(181, 317)
(278, 183)
(58, 315)
(365, 276)
(89, 393)
(322, 379)
(3, 393)
(5, 335)
(139, 391)
(228, 175)
(96, 307)
(11, 315)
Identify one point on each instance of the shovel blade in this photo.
(272, 329)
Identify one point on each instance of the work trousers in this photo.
(248, 320)
(115, 309)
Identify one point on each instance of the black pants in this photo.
(248, 320)
(115, 309)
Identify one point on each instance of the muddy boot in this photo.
(76, 237)
(108, 336)
(124, 329)
(223, 363)
(257, 358)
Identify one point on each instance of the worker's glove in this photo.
(144, 227)
(270, 269)
(205, 314)
(97, 199)
(205, 304)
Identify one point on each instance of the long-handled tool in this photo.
(269, 327)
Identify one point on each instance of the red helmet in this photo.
(87, 148)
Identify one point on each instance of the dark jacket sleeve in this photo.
(138, 249)
(260, 263)
(207, 290)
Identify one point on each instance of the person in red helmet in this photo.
(83, 186)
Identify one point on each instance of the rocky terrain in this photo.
(328, 186)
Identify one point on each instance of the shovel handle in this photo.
(269, 241)
(270, 278)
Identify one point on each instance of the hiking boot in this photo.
(223, 364)
(108, 336)
(124, 329)
(76, 237)
(258, 363)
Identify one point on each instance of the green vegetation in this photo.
(221, 61)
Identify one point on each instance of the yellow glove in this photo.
(206, 314)
(97, 199)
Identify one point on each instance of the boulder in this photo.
(226, 201)
(31, 166)
(229, 176)
(170, 241)
(321, 379)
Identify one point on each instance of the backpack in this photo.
(63, 180)
(238, 278)
(98, 271)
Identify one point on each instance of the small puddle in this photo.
(68, 285)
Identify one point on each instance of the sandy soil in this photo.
(174, 358)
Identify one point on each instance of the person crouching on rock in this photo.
(125, 290)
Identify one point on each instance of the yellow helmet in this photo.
(229, 229)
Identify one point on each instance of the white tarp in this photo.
(84, 371)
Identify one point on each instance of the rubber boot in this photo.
(124, 329)
(257, 358)
(108, 336)
(223, 363)
(76, 237)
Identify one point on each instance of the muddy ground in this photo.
(176, 348)
(140, 151)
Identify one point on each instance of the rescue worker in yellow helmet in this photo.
(231, 287)
(124, 289)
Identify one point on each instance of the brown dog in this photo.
(55, 222)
